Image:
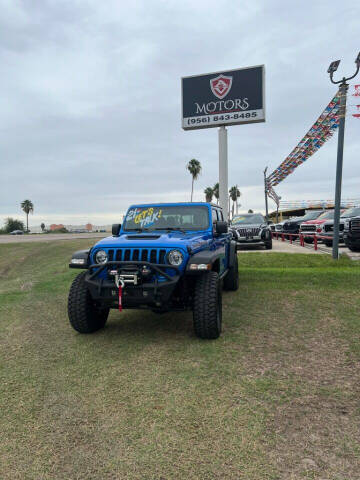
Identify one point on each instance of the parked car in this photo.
(279, 227)
(293, 225)
(311, 227)
(327, 228)
(165, 257)
(251, 228)
(17, 232)
(352, 233)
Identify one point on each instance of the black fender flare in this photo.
(205, 257)
(80, 255)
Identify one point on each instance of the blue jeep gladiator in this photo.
(164, 257)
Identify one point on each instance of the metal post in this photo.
(266, 199)
(343, 87)
(223, 171)
(339, 167)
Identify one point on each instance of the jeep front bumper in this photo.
(151, 290)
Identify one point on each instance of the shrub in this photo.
(13, 224)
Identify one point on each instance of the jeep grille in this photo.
(152, 255)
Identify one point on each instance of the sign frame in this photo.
(259, 115)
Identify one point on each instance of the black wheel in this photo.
(207, 313)
(268, 245)
(308, 240)
(84, 315)
(231, 281)
(353, 248)
(327, 243)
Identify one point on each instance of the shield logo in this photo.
(220, 86)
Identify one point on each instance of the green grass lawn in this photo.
(276, 397)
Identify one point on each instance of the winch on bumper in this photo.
(144, 283)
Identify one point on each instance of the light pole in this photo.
(266, 199)
(343, 87)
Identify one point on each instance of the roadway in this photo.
(49, 237)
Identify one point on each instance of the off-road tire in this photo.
(207, 312)
(231, 280)
(353, 248)
(308, 240)
(268, 245)
(327, 243)
(84, 315)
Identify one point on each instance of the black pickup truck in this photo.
(352, 234)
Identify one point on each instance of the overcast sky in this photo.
(90, 100)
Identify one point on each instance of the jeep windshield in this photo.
(158, 217)
(248, 219)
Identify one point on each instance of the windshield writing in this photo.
(167, 218)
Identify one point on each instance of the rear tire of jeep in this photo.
(268, 245)
(231, 280)
(328, 244)
(84, 315)
(207, 313)
(353, 248)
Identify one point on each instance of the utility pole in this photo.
(343, 88)
(266, 198)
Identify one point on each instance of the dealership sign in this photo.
(230, 97)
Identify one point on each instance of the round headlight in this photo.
(175, 258)
(101, 256)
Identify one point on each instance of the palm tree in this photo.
(194, 167)
(209, 192)
(234, 195)
(28, 207)
(216, 192)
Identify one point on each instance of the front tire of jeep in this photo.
(207, 312)
(231, 280)
(84, 315)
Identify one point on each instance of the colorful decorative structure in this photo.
(319, 133)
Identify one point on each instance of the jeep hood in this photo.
(157, 240)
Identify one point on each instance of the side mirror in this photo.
(115, 230)
(221, 227)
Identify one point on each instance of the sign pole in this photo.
(223, 171)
